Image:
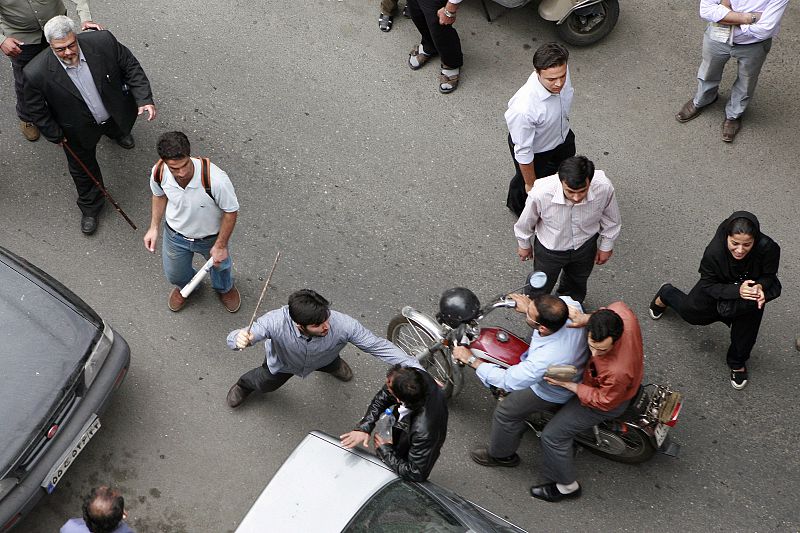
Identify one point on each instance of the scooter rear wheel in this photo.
(413, 338)
(588, 25)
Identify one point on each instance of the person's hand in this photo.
(522, 301)
(461, 354)
(244, 339)
(91, 25)
(525, 254)
(444, 20)
(150, 239)
(219, 254)
(528, 187)
(353, 438)
(569, 385)
(578, 319)
(11, 46)
(379, 441)
(602, 256)
(726, 3)
(748, 291)
(151, 111)
(761, 298)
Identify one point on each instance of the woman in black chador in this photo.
(738, 275)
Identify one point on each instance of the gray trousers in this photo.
(749, 59)
(508, 424)
(558, 435)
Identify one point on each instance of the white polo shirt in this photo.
(190, 211)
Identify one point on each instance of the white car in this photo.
(323, 487)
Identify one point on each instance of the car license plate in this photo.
(66, 460)
(661, 433)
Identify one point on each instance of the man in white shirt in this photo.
(569, 224)
(199, 207)
(740, 29)
(552, 343)
(539, 135)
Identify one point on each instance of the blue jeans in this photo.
(177, 252)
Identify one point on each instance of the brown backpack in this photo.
(205, 174)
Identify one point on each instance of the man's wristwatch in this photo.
(453, 15)
(471, 360)
(753, 18)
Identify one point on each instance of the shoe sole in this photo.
(650, 309)
(481, 462)
(737, 386)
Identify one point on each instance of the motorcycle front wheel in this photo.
(588, 25)
(414, 339)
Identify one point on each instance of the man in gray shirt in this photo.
(304, 336)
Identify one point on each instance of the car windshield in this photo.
(401, 508)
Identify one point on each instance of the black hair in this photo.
(605, 323)
(408, 386)
(741, 225)
(103, 508)
(550, 55)
(553, 312)
(306, 307)
(173, 145)
(575, 171)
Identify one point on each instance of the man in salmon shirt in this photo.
(611, 379)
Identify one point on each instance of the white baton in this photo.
(192, 285)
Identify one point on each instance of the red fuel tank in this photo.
(496, 345)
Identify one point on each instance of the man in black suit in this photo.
(84, 87)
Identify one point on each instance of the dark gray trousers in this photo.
(261, 379)
(558, 436)
(508, 424)
(575, 266)
(29, 51)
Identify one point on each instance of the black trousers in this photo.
(261, 379)
(575, 266)
(544, 164)
(697, 310)
(29, 51)
(90, 199)
(436, 38)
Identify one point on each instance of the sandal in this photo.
(385, 22)
(406, 14)
(421, 58)
(447, 84)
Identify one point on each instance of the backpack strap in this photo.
(158, 172)
(205, 175)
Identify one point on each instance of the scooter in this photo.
(578, 22)
(634, 437)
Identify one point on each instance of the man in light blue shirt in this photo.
(553, 343)
(103, 512)
(302, 337)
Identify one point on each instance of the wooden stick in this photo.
(263, 292)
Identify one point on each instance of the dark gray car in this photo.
(59, 365)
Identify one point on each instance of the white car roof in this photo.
(318, 488)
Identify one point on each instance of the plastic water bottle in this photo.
(383, 427)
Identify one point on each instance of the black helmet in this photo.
(458, 305)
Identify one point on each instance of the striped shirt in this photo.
(562, 225)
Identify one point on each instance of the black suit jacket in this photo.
(56, 105)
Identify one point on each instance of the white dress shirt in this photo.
(767, 26)
(537, 119)
(562, 225)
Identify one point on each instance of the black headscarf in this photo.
(721, 274)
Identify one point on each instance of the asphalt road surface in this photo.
(380, 192)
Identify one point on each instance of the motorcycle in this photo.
(634, 437)
(578, 22)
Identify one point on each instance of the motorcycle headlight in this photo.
(98, 356)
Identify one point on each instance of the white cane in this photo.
(195, 281)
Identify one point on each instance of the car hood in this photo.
(47, 334)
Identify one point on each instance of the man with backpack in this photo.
(199, 207)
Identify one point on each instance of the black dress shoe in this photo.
(550, 493)
(237, 395)
(88, 224)
(126, 141)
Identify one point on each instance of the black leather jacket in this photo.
(418, 437)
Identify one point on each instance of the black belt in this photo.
(190, 238)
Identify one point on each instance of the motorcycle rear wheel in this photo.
(632, 447)
(583, 30)
(413, 338)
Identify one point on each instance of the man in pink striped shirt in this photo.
(569, 224)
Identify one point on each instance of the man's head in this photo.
(174, 149)
(550, 62)
(407, 385)
(103, 509)
(576, 175)
(310, 312)
(547, 314)
(61, 32)
(605, 327)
